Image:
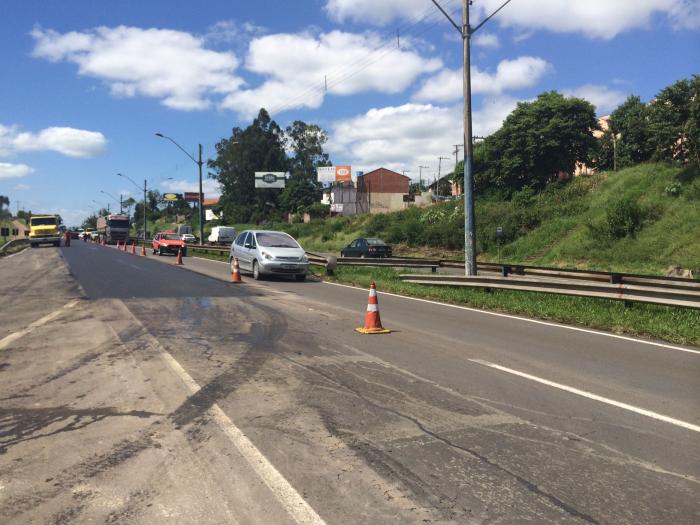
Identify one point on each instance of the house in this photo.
(381, 191)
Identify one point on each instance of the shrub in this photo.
(624, 218)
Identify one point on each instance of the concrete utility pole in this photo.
(466, 31)
(420, 177)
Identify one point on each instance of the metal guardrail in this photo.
(685, 295)
(10, 243)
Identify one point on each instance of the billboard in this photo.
(172, 196)
(269, 179)
(326, 174)
(334, 174)
(192, 196)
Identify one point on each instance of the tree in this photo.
(4, 201)
(629, 124)
(90, 222)
(669, 114)
(128, 204)
(259, 147)
(538, 141)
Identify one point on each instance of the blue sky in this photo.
(87, 84)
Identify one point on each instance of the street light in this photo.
(121, 207)
(145, 224)
(199, 165)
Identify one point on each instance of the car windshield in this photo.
(43, 221)
(120, 223)
(170, 237)
(376, 242)
(276, 240)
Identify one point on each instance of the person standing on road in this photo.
(66, 238)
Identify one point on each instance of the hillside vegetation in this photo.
(641, 219)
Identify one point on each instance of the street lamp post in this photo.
(199, 165)
(145, 190)
(121, 207)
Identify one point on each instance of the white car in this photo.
(188, 237)
(264, 252)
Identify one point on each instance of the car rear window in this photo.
(171, 237)
(276, 240)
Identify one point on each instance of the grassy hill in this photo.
(642, 219)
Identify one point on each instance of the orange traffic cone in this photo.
(125, 246)
(179, 257)
(373, 324)
(236, 273)
(143, 249)
(133, 248)
(118, 243)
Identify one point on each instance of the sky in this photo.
(86, 84)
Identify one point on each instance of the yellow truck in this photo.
(43, 229)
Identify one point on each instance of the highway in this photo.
(136, 391)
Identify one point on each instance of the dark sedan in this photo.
(366, 247)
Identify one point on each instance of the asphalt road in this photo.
(170, 394)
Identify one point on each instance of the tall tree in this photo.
(669, 114)
(305, 143)
(4, 201)
(259, 147)
(538, 141)
(629, 124)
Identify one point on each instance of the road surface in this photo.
(136, 391)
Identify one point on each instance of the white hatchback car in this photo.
(264, 252)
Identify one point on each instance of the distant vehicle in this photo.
(86, 233)
(222, 235)
(95, 235)
(43, 229)
(141, 237)
(74, 234)
(263, 252)
(366, 247)
(188, 237)
(113, 228)
(168, 242)
(183, 229)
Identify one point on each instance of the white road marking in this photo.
(39, 322)
(536, 321)
(590, 395)
(285, 493)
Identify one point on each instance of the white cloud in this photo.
(603, 98)
(519, 73)
(173, 66)
(71, 142)
(295, 66)
(14, 170)
(377, 13)
(210, 187)
(489, 40)
(602, 19)
(233, 32)
(404, 137)
(22, 187)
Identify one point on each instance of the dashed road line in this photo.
(5, 341)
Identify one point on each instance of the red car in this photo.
(168, 242)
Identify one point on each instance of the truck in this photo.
(113, 228)
(43, 229)
(222, 235)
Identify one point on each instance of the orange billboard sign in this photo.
(343, 173)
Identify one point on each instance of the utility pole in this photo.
(201, 199)
(420, 177)
(466, 31)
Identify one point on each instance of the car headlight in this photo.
(304, 258)
(267, 256)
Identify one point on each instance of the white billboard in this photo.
(326, 174)
(269, 179)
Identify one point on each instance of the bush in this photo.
(624, 218)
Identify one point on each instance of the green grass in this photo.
(676, 325)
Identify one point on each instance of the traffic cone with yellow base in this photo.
(373, 324)
(179, 257)
(235, 272)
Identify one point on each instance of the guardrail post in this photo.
(615, 278)
(331, 264)
(505, 270)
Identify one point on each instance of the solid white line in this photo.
(39, 322)
(590, 395)
(536, 321)
(287, 495)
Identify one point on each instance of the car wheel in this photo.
(300, 277)
(256, 271)
(362, 256)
